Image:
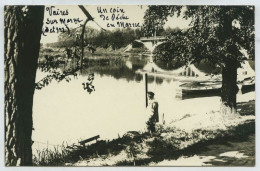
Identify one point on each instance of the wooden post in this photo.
(146, 90)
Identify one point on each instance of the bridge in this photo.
(151, 42)
(188, 71)
(153, 39)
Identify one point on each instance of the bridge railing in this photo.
(153, 38)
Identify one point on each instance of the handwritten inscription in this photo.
(53, 11)
(116, 17)
(60, 23)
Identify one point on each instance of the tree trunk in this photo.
(23, 27)
(229, 88)
(229, 71)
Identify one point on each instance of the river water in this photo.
(65, 112)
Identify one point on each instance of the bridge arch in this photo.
(150, 45)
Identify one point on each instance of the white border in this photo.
(128, 2)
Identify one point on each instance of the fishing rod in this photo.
(90, 18)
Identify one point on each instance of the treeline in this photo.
(98, 38)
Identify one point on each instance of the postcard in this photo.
(129, 85)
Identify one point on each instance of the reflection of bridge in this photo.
(190, 70)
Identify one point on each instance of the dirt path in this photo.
(238, 150)
(232, 153)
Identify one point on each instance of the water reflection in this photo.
(65, 112)
(158, 80)
(120, 70)
(150, 79)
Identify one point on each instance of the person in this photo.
(153, 114)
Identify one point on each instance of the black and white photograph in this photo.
(129, 85)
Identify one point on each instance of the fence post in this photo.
(146, 90)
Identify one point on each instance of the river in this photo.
(65, 112)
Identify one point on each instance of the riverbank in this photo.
(100, 53)
(54, 58)
(171, 143)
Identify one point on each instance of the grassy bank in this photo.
(169, 142)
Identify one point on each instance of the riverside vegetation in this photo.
(168, 143)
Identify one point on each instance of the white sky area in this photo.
(135, 14)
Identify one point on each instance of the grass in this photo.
(56, 157)
(67, 154)
(158, 146)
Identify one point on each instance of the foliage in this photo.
(133, 145)
(156, 16)
(56, 157)
(88, 84)
(60, 67)
(98, 38)
(168, 31)
(117, 38)
(53, 66)
(206, 37)
(173, 50)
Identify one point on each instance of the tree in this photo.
(102, 40)
(169, 31)
(216, 34)
(23, 28)
(68, 39)
(117, 39)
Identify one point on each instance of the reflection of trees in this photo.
(158, 80)
(169, 65)
(117, 71)
(168, 80)
(150, 79)
(121, 72)
(138, 77)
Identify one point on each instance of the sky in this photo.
(106, 19)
